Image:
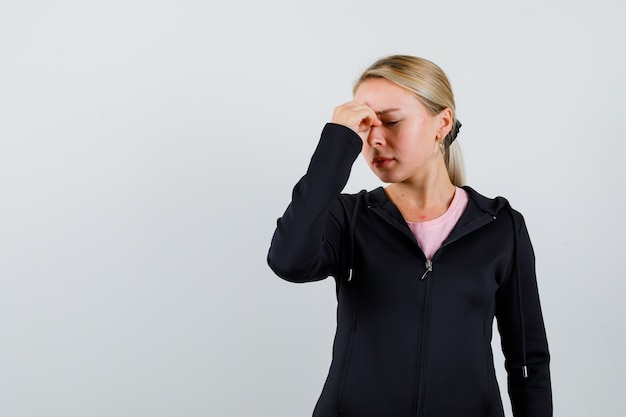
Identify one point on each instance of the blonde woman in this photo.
(422, 266)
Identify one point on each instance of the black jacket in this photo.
(413, 337)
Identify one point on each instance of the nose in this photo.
(375, 138)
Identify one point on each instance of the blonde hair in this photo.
(432, 88)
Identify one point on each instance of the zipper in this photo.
(425, 321)
(429, 268)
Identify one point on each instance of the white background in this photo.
(147, 148)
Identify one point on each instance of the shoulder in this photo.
(364, 198)
(494, 206)
(349, 206)
(499, 207)
(348, 202)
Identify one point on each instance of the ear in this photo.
(444, 123)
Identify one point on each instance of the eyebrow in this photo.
(383, 112)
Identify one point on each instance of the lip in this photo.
(381, 162)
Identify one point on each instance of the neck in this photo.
(425, 191)
(425, 198)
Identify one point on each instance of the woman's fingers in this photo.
(356, 116)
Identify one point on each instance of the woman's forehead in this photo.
(384, 96)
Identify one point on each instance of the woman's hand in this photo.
(356, 116)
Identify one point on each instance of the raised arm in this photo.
(307, 242)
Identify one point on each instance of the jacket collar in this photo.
(480, 211)
(491, 206)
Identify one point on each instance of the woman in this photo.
(422, 266)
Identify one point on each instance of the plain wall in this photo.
(147, 148)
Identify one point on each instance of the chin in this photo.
(387, 175)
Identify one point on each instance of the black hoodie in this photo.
(413, 336)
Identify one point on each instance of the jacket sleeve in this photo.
(307, 241)
(522, 331)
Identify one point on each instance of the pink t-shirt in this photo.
(431, 234)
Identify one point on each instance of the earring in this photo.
(441, 143)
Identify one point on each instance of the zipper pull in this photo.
(350, 275)
(429, 268)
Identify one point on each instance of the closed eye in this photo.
(391, 123)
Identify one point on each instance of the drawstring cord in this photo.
(516, 271)
(352, 228)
